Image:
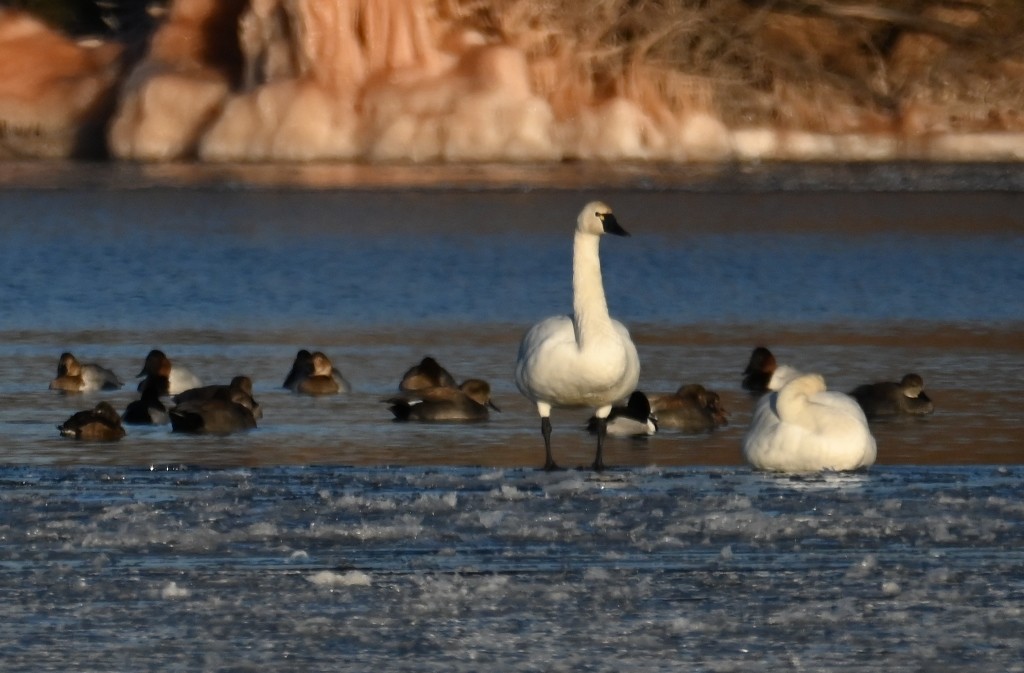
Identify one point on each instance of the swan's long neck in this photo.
(590, 308)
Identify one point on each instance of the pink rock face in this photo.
(378, 80)
(55, 93)
(421, 80)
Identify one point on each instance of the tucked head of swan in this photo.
(597, 218)
(807, 384)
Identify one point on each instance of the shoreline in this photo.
(774, 175)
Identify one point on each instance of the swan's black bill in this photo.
(611, 225)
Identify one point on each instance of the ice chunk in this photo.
(331, 580)
(173, 591)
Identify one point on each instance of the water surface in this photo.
(232, 277)
(332, 538)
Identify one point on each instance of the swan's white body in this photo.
(586, 359)
(804, 428)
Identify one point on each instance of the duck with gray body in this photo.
(222, 413)
(470, 402)
(239, 390)
(888, 398)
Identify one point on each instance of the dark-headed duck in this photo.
(632, 420)
(179, 379)
(148, 409)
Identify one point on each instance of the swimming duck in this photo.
(148, 409)
(893, 399)
(427, 374)
(763, 374)
(239, 390)
(469, 402)
(692, 408)
(632, 420)
(222, 413)
(805, 428)
(759, 370)
(585, 359)
(101, 423)
(302, 366)
(75, 377)
(314, 374)
(178, 378)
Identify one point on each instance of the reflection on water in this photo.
(231, 279)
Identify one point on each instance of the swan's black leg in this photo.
(545, 429)
(602, 430)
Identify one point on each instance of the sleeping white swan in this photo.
(585, 359)
(805, 428)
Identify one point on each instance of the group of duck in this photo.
(426, 392)
(215, 409)
(583, 359)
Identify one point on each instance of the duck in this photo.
(888, 398)
(634, 419)
(760, 368)
(763, 373)
(221, 413)
(148, 409)
(302, 366)
(803, 427)
(586, 358)
(239, 390)
(691, 409)
(76, 377)
(427, 374)
(179, 379)
(468, 402)
(315, 374)
(101, 423)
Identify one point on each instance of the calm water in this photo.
(439, 547)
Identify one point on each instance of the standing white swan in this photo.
(805, 428)
(585, 359)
